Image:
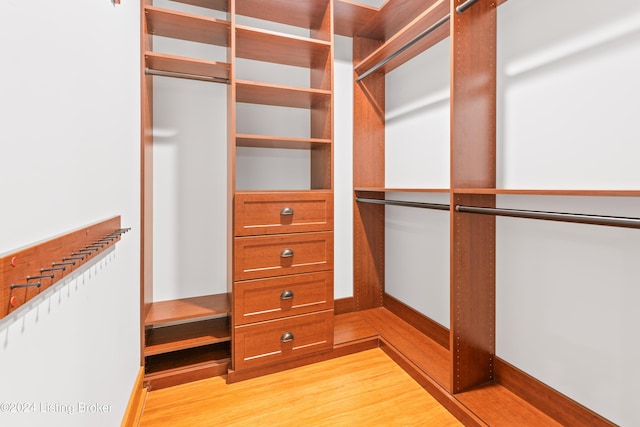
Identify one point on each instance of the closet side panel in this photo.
(368, 171)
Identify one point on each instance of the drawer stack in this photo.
(283, 276)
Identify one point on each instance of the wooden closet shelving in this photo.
(194, 339)
(283, 237)
(185, 26)
(421, 22)
(270, 46)
(262, 141)
(279, 95)
(188, 338)
(400, 190)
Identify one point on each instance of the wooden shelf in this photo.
(269, 46)
(188, 335)
(183, 366)
(349, 17)
(179, 64)
(187, 308)
(392, 17)
(185, 26)
(538, 192)
(423, 21)
(222, 5)
(299, 13)
(284, 96)
(400, 190)
(261, 141)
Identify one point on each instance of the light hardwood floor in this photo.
(362, 389)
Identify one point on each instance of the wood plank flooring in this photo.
(362, 389)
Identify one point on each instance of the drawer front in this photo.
(277, 213)
(268, 299)
(270, 256)
(277, 340)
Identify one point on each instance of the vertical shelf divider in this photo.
(368, 171)
(473, 148)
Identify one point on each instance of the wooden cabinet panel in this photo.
(268, 299)
(269, 256)
(277, 213)
(277, 340)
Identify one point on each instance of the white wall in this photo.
(69, 123)
(567, 106)
(568, 101)
(417, 156)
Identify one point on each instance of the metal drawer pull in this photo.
(286, 337)
(286, 295)
(286, 253)
(286, 211)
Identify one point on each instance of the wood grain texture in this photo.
(260, 213)
(187, 335)
(259, 257)
(473, 164)
(360, 389)
(350, 17)
(181, 64)
(269, 46)
(266, 141)
(222, 5)
(146, 178)
(135, 405)
(409, 341)
(399, 39)
(424, 324)
(167, 369)
(368, 171)
(564, 410)
(472, 294)
(186, 26)
(392, 17)
(473, 97)
(162, 312)
(279, 95)
(299, 13)
(261, 300)
(262, 343)
(19, 266)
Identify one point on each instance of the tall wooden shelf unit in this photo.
(280, 244)
(189, 338)
(283, 237)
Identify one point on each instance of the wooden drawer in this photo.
(269, 256)
(277, 213)
(268, 299)
(277, 340)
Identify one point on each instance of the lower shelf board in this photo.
(187, 335)
(178, 367)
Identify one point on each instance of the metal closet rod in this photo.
(466, 5)
(422, 205)
(615, 221)
(152, 72)
(410, 43)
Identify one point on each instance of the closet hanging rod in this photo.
(152, 72)
(422, 205)
(466, 5)
(614, 221)
(410, 43)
